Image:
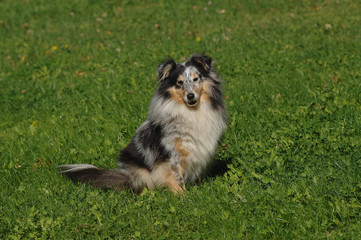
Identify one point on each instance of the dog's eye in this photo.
(180, 82)
(195, 79)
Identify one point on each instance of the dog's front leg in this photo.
(178, 171)
(169, 175)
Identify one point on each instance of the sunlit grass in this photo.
(76, 78)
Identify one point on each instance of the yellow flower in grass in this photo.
(54, 48)
(198, 39)
(101, 46)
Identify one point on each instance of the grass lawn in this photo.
(76, 78)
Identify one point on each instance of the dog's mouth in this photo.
(192, 103)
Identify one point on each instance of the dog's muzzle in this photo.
(191, 99)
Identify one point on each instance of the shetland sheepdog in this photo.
(177, 142)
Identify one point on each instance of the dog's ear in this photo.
(203, 63)
(165, 68)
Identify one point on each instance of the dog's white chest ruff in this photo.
(191, 135)
(205, 130)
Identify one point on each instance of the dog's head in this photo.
(187, 83)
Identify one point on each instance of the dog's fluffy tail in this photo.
(87, 173)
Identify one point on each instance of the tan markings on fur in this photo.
(179, 148)
(200, 61)
(164, 175)
(182, 166)
(194, 75)
(143, 178)
(199, 90)
(166, 71)
(183, 154)
(176, 95)
(206, 88)
(180, 78)
(179, 175)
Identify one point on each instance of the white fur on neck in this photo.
(198, 129)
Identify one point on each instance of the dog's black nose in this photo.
(190, 96)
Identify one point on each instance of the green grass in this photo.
(76, 78)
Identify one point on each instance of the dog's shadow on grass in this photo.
(218, 168)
